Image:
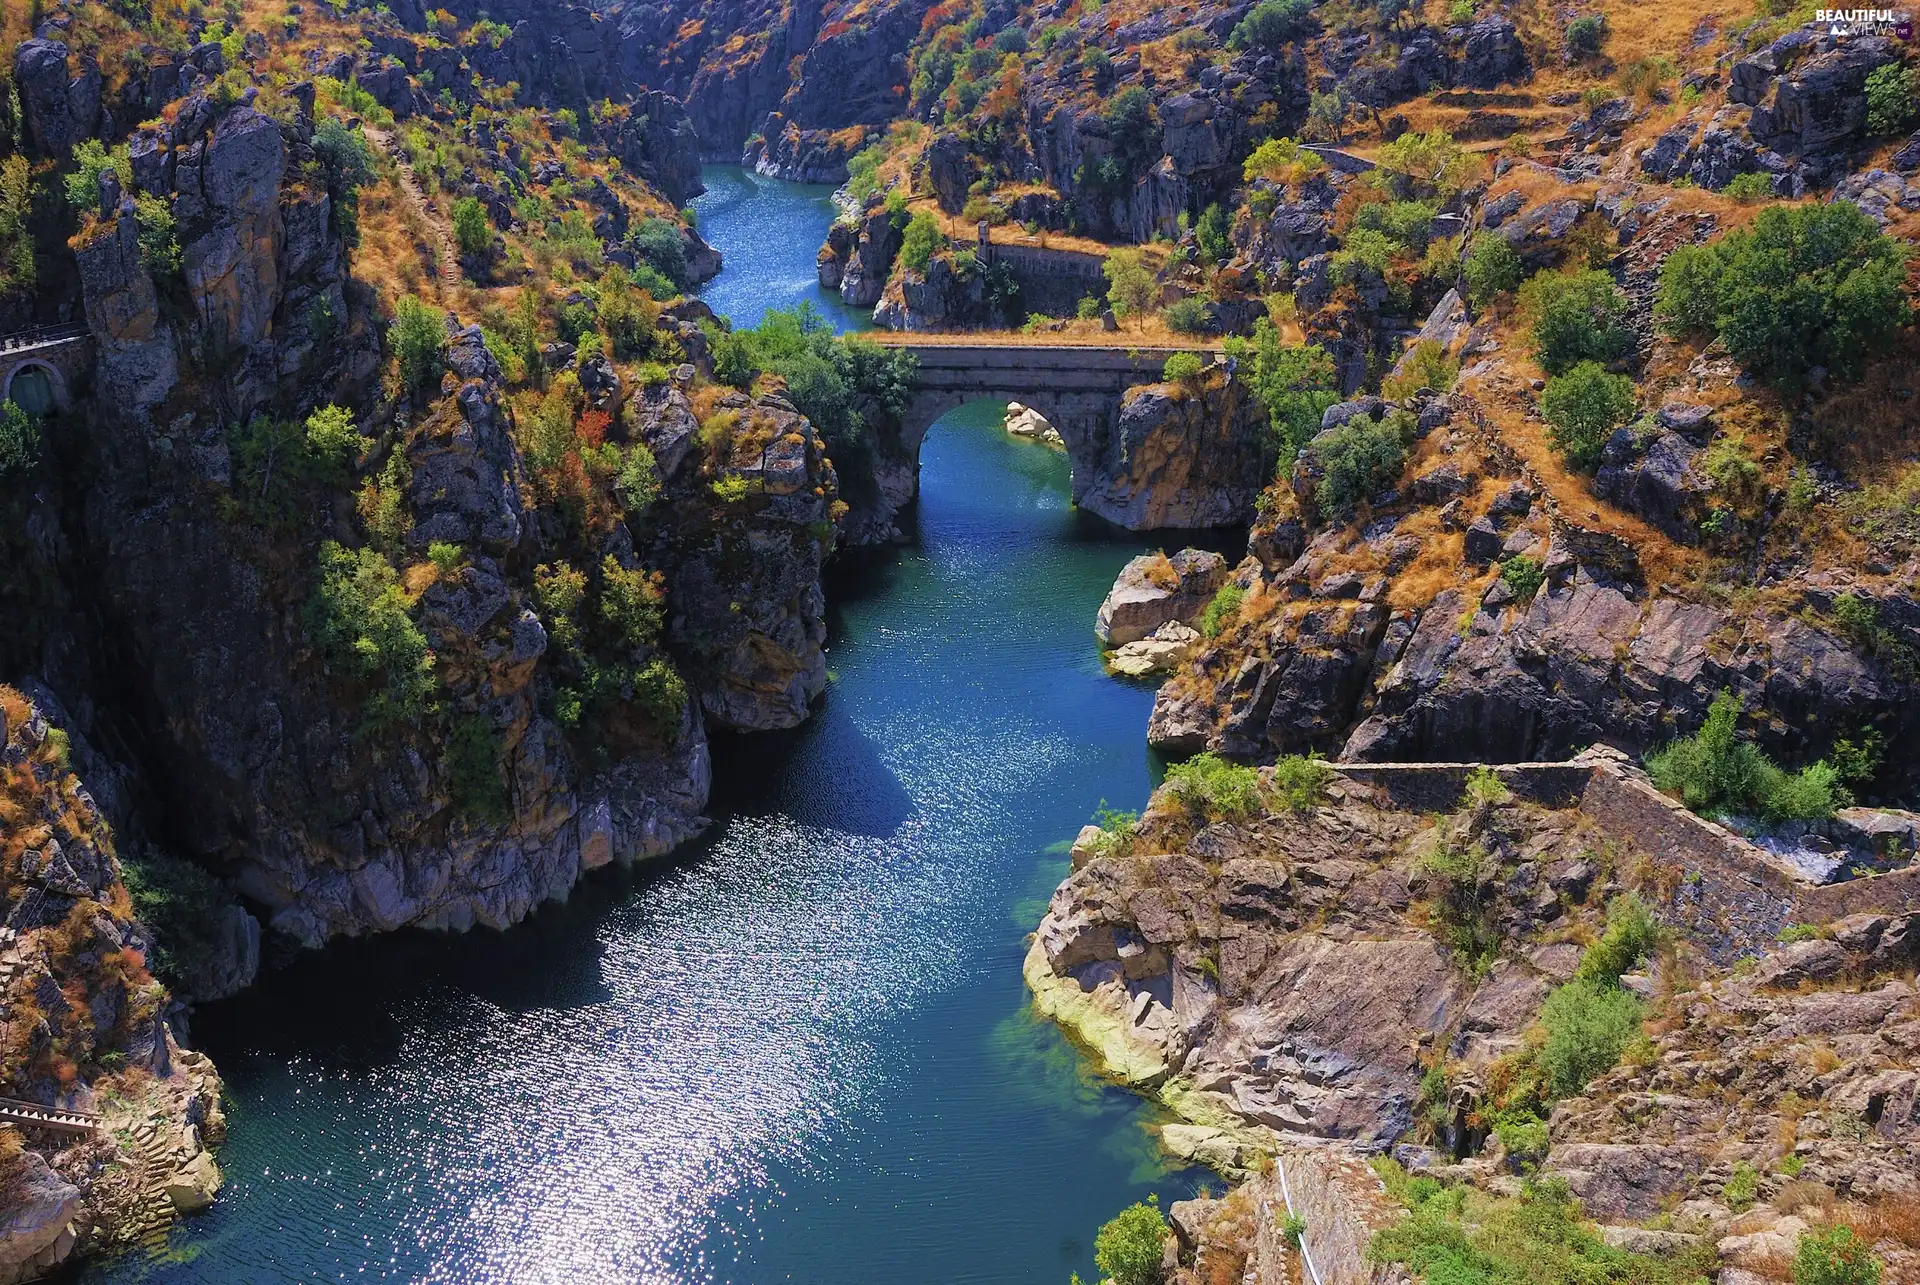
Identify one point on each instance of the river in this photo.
(801, 1050)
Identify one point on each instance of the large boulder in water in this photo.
(1154, 589)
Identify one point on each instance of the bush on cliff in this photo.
(1130, 290)
(1460, 1236)
(1271, 24)
(1182, 368)
(1582, 408)
(1630, 936)
(1301, 781)
(1359, 459)
(19, 440)
(658, 243)
(360, 620)
(1129, 1249)
(1222, 611)
(1295, 384)
(1491, 268)
(181, 902)
(921, 239)
(1214, 787)
(418, 338)
(1805, 286)
(471, 230)
(1716, 773)
(473, 770)
(839, 383)
(1836, 1256)
(1890, 99)
(1575, 317)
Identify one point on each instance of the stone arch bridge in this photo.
(1077, 388)
(40, 368)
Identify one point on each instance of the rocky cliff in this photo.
(86, 1026)
(1179, 455)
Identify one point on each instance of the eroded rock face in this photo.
(747, 606)
(1176, 457)
(59, 95)
(1269, 974)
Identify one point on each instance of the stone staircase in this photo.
(155, 1215)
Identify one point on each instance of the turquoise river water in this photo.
(801, 1050)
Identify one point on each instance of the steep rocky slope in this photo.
(85, 1026)
(1312, 959)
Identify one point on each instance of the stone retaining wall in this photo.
(1730, 895)
(1342, 1203)
(1052, 281)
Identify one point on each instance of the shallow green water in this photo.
(800, 1052)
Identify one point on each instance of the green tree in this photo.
(659, 244)
(1575, 317)
(1804, 286)
(1182, 368)
(1359, 459)
(638, 485)
(1129, 1249)
(19, 440)
(91, 159)
(1213, 233)
(1588, 1026)
(919, 242)
(1295, 383)
(1889, 99)
(632, 602)
(17, 267)
(1715, 772)
(418, 338)
(1130, 290)
(1587, 35)
(332, 440)
(1491, 268)
(473, 770)
(360, 620)
(1582, 408)
(472, 232)
(1271, 24)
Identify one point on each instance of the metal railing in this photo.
(34, 1116)
(41, 337)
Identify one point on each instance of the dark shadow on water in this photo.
(827, 774)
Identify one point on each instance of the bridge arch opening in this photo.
(35, 387)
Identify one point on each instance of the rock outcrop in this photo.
(1178, 456)
(1153, 590)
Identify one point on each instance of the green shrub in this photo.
(1890, 92)
(921, 239)
(1292, 1228)
(1213, 234)
(19, 440)
(1295, 384)
(158, 235)
(1750, 188)
(1128, 1249)
(1182, 368)
(418, 337)
(446, 555)
(1630, 937)
(1427, 365)
(1523, 575)
(360, 621)
(1116, 830)
(332, 438)
(345, 156)
(473, 770)
(1271, 24)
(1491, 268)
(661, 694)
(1484, 786)
(1741, 1188)
(1186, 316)
(1804, 286)
(1835, 1256)
(1575, 317)
(1716, 773)
(472, 231)
(1130, 289)
(1455, 1236)
(835, 381)
(1222, 611)
(1301, 781)
(638, 484)
(1588, 1025)
(1524, 1135)
(1215, 787)
(1582, 409)
(1587, 35)
(91, 159)
(632, 602)
(1360, 458)
(660, 246)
